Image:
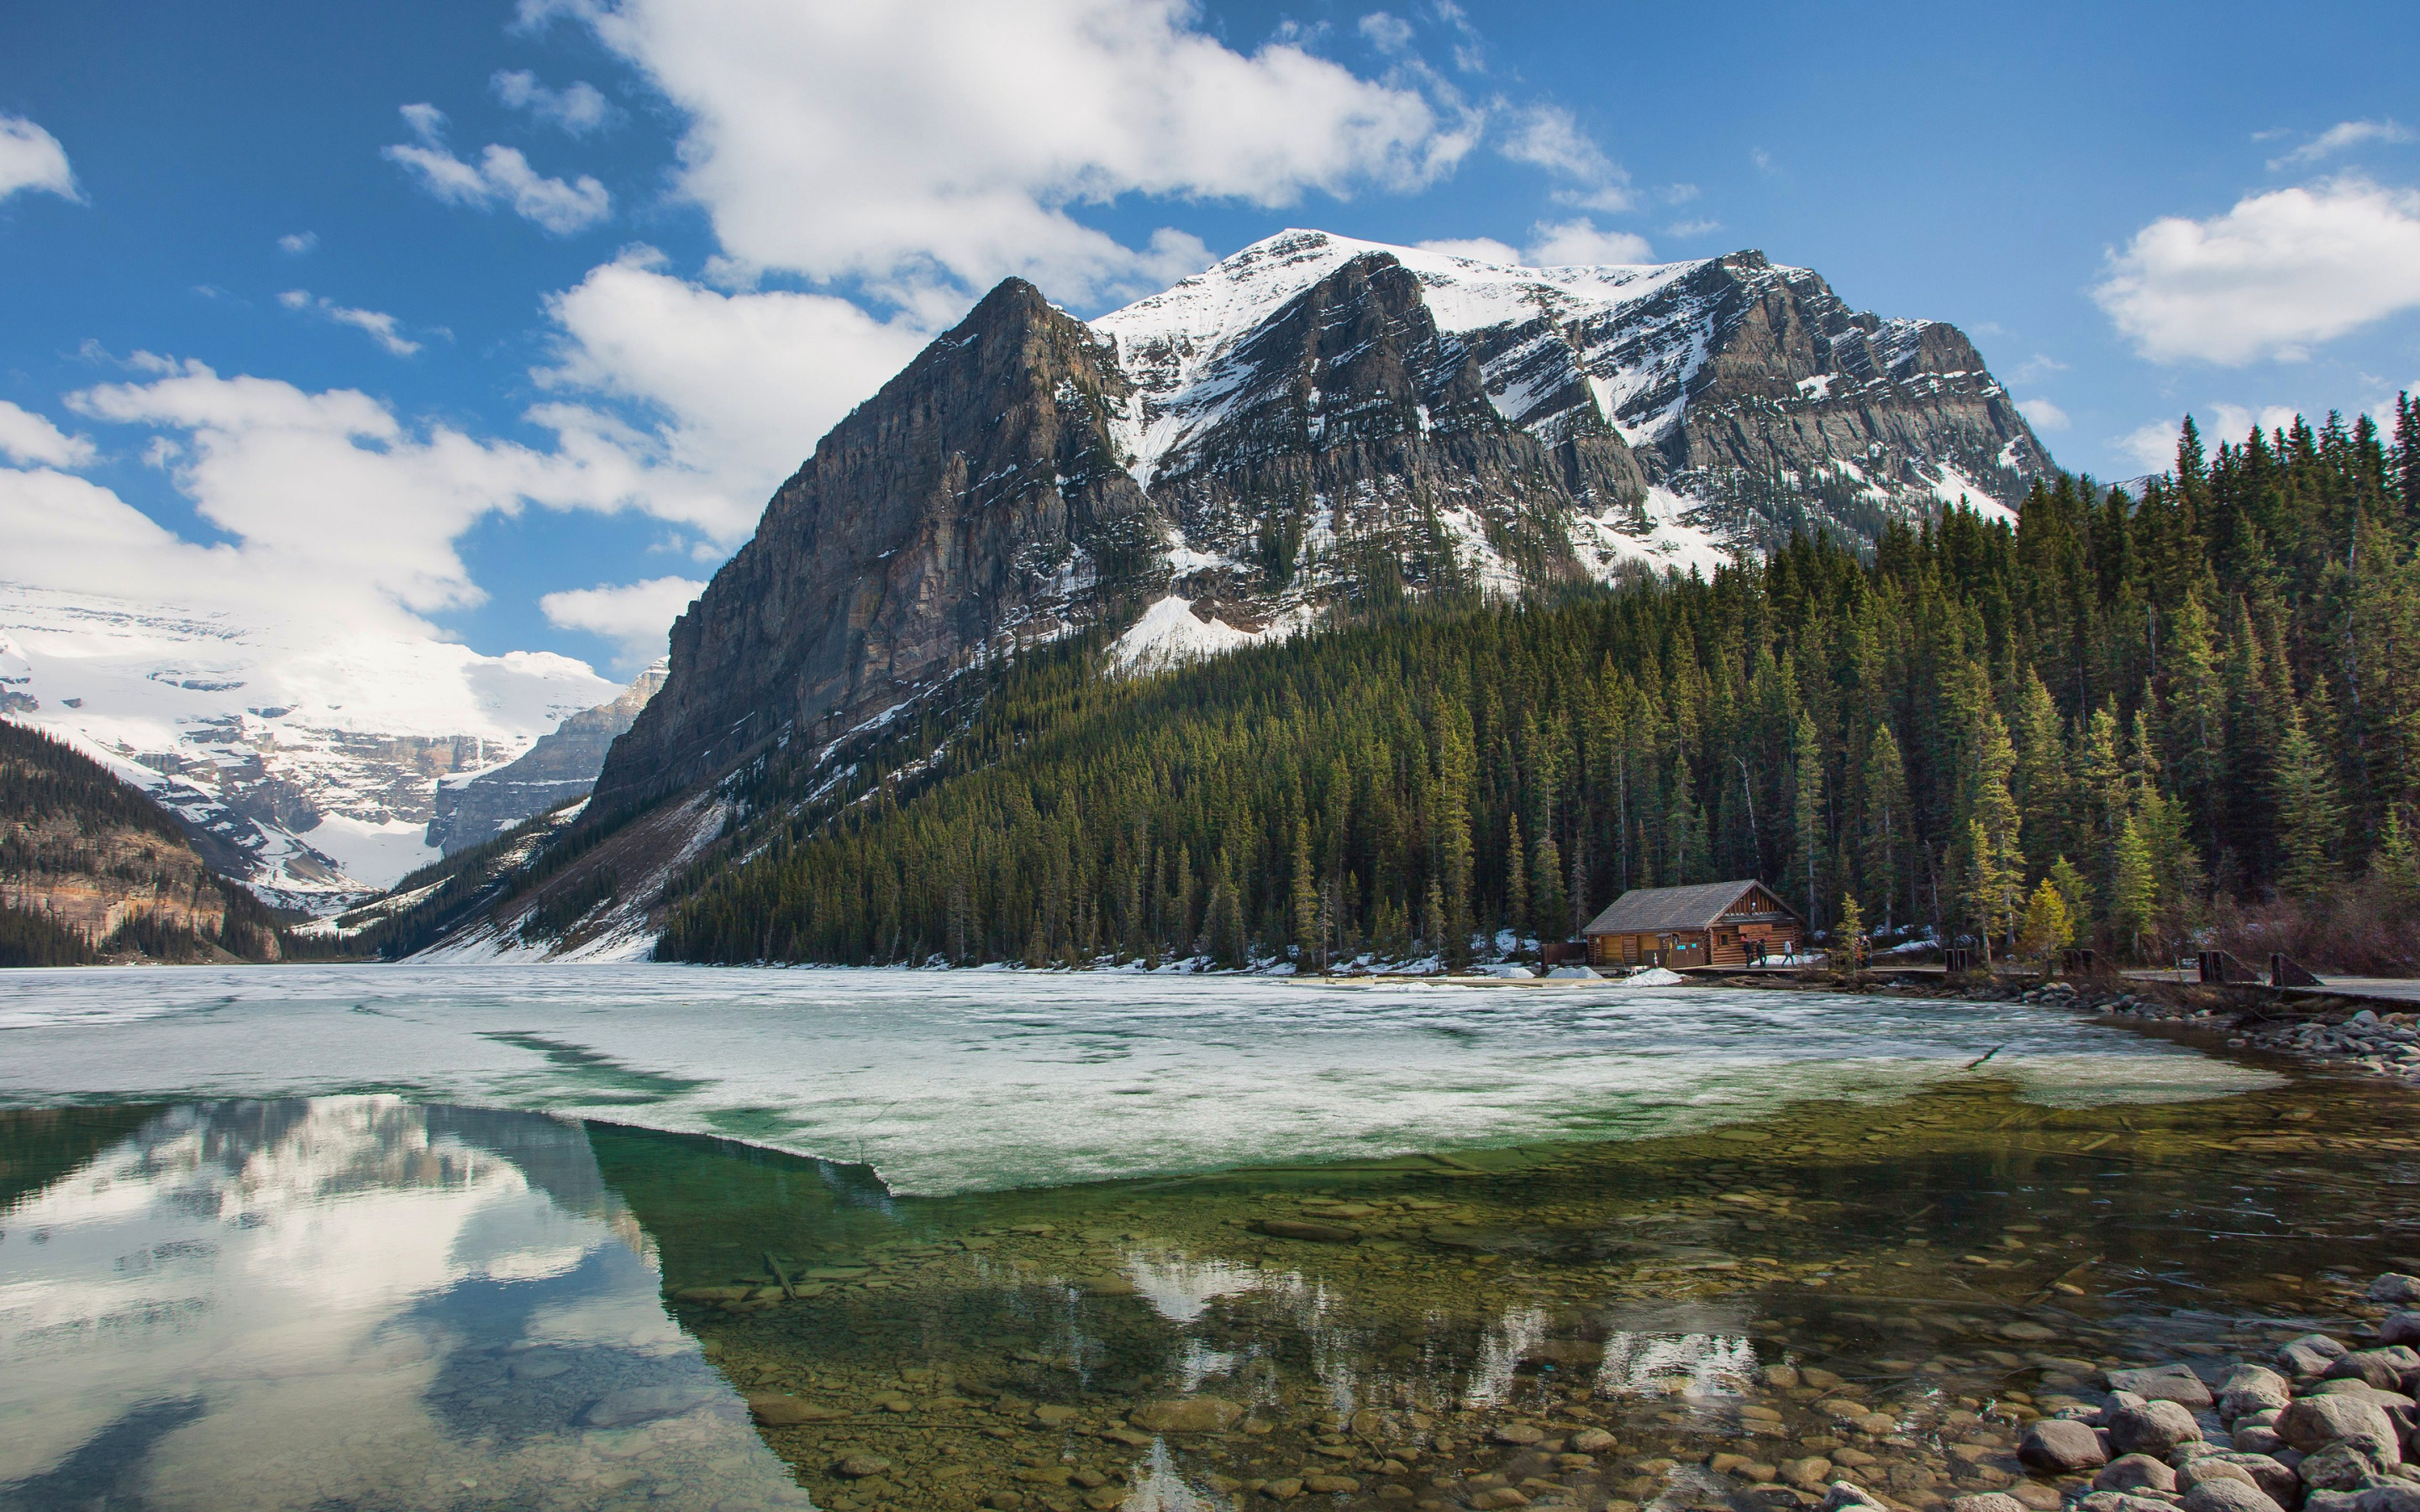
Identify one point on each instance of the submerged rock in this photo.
(776, 1411)
(643, 1404)
(2164, 1383)
(1299, 1228)
(1187, 1415)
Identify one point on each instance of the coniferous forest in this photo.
(2154, 722)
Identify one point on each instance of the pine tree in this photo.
(2133, 897)
(2048, 927)
(2073, 889)
(1308, 936)
(1806, 812)
(1997, 861)
(1548, 905)
(2307, 820)
(1516, 880)
(2043, 803)
(1848, 935)
(2394, 865)
(1888, 822)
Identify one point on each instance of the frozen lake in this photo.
(955, 1082)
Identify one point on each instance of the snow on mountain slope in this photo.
(1745, 397)
(313, 764)
(1179, 347)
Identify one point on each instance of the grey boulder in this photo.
(2383, 1368)
(2309, 1355)
(2061, 1446)
(1986, 1501)
(2316, 1422)
(2152, 1428)
(2252, 1388)
(2229, 1496)
(2257, 1439)
(2395, 1286)
(2339, 1467)
(2164, 1383)
(2135, 1473)
(1843, 1497)
(2400, 1328)
(2277, 1482)
(2125, 1502)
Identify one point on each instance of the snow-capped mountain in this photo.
(1314, 422)
(304, 768)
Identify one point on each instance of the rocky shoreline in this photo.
(2312, 1026)
(2324, 1427)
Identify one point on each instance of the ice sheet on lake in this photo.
(968, 1081)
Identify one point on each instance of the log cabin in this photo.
(1711, 924)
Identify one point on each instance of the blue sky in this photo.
(503, 320)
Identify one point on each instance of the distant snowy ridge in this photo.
(308, 768)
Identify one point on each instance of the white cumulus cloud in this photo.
(2043, 414)
(1547, 136)
(577, 109)
(30, 440)
(2153, 446)
(2343, 136)
(1479, 249)
(1552, 244)
(378, 325)
(502, 175)
(32, 160)
(940, 146)
(1579, 243)
(634, 616)
(737, 387)
(2274, 275)
(297, 243)
(2234, 422)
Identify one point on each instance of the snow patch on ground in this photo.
(1955, 489)
(1170, 635)
(380, 853)
(1612, 542)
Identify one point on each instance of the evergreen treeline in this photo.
(2204, 698)
(28, 938)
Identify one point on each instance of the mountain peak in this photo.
(1312, 422)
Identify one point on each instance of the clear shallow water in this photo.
(974, 1081)
(1565, 1239)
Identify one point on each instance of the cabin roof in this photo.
(1648, 910)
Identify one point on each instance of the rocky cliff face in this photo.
(563, 764)
(974, 504)
(1313, 423)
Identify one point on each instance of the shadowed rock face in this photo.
(1355, 429)
(561, 766)
(974, 503)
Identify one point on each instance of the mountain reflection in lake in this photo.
(342, 1302)
(356, 1302)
